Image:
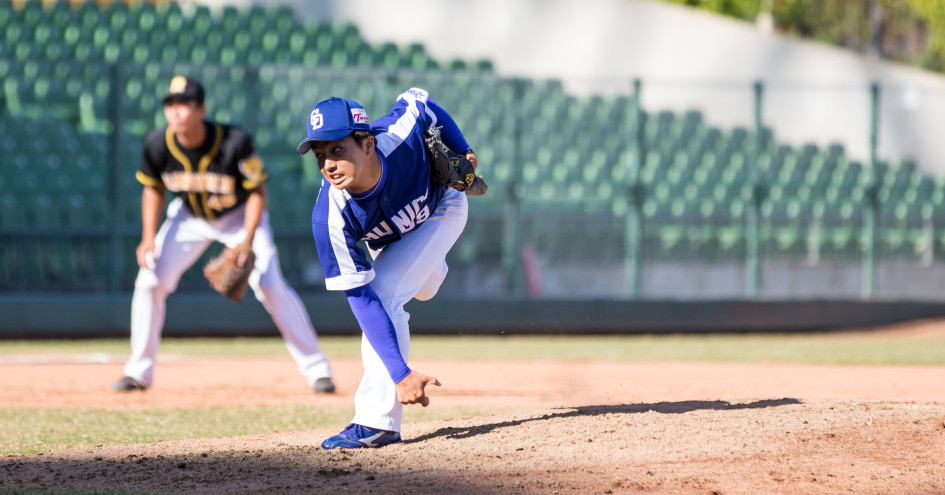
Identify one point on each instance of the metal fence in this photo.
(591, 197)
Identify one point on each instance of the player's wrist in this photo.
(401, 375)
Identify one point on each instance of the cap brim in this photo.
(178, 97)
(306, 144)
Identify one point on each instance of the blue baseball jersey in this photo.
(402, 200)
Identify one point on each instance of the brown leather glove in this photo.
(448, 169)
(226, 277)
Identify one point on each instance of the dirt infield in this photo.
(583, 428)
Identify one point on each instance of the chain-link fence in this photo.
(619, 196)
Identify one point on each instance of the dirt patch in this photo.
(695, 446)
(192, 382)
(583, 428)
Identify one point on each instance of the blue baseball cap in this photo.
(333, 119)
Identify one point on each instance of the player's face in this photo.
(346, 165)
(184, 117)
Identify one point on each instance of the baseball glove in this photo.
(448, 169)
(226, 277)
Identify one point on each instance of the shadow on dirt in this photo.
(678, 407)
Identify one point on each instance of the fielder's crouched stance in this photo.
(377, 188)
(220, 187)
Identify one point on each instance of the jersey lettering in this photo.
(196, 182)
(381, 230)
(422, 213)
(412, 215)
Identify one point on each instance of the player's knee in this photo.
(424, 296)
(148, 281)
(266, 283)
(426, 292)
(432, 285)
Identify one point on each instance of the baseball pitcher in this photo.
(378, 188)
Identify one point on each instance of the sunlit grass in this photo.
(29, 430)
(788, 348)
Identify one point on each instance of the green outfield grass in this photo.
(836, 348)
(37, 430)
(28, 430)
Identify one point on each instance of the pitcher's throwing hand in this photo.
(412, 390)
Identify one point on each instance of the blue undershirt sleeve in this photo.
(452, 136)
(379, 330)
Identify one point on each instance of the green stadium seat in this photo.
(388, 55)
(143, 19)
(32, 14)
(26, 52)
(118, 16)
(730, 237)
(12, 211)
(8, 15)
(417, 58)
(89, 16)
(670, 237)
(14, 34)
(202, 21)
(15, 95)
(93, 114)
(258, 22)
(44, 211)
(787, 239)
(170, 18)
(44, 34)
(283, 19)
(86, 210)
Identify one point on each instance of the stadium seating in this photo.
(74, 73)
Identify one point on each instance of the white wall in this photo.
(686, 59)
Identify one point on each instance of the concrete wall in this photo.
(191, 315)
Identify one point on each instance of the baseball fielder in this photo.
(219, 184)
(377, 188)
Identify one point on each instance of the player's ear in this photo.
(369, 144)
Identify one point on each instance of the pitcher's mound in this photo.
(768, 445)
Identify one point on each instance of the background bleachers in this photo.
(81, 87)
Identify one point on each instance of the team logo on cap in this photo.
(316, 119)
(359, 115)
(178, 84)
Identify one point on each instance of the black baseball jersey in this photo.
(213, 179)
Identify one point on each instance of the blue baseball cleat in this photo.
(356, 436)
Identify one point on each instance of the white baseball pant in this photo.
(412, 267)
(179, 243)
